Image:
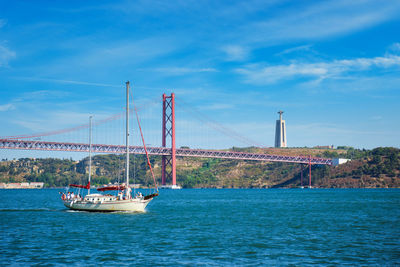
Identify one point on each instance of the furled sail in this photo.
(81, 186)
(111, 188)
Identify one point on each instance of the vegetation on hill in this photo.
(379, 167)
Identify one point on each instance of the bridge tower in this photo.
(168, 168)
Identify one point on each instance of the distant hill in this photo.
(377, 168)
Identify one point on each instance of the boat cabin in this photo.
(99, 198)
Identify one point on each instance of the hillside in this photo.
(379, 167)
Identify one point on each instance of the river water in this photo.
(209, 227)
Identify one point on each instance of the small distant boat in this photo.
(123, 201)
(306, 187)
(172, 186)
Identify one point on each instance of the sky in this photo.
(332, 66)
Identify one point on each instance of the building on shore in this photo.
(325, 147)
(32, 185)
(280, 132)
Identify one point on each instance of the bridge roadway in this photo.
(200, 153)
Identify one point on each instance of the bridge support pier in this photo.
(301, 175)
(168, 169)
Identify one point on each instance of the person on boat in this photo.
(128, 192)
(69, 196)
(72, 195)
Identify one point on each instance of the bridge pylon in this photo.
(168, 170)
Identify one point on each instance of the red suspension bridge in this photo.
(168, 154)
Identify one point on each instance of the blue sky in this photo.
(332, 66)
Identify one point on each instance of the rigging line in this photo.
(144, 144)
(219, 127)
(134, 174)
(133, 142)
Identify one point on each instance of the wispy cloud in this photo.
(50, 118)
(235, 52)
(181, 70)
(319, 133)
(218, 106)
(312, 21)
(328, 129)
(324, 19)
(6, 55)
(295, 49)
(131, 51)
(258, 74)
(6, 107)
(43, 96)
(376, 118)
(395, 47)
(45, 111)
(124, 55)
(2, 22)
(50, 121)
(68, 82)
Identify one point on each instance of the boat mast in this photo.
(90, 151)
(127, 136)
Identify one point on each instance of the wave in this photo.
(109, 212)
(23, 210)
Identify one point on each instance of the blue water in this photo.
(207, 227)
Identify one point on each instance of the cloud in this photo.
(324, 19)
(261, 24)
(263, 27)
(59, 122)
(295, 49)
(218, 106)
(395, 47)
(181, 70)
(235, 52)
(42, 96)
(376, 118)
(258, 74)
(327, 129)
(5, 55)
(320, 133)
(123, 55)
(68, 82)
(359, 83)
(135, 51)
(7, 107)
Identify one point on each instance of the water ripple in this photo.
(207, 227)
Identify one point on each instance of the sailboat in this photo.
(106, 203)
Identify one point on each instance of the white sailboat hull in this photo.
(130, 205)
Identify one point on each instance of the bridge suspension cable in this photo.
(217, 126)
(72, 129)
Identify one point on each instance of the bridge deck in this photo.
(98, 148)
